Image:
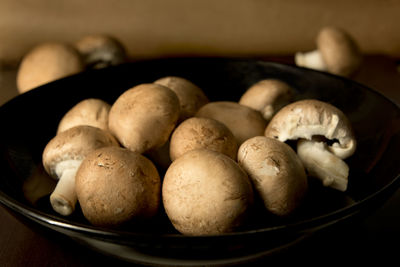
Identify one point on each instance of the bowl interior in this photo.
(30, 121)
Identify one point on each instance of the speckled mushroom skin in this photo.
(339, 51)
(308, 118)
(47, 62)
(91, 111)
(244, 122)
(206, 193)
(190, 96)
(74, 144)
(143, 117)
(206, 133)
(116, 186)
(276, 172)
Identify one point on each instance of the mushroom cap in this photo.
(206, 133)
(47, 62)
(91, 111)
(339, 51)
(74, 144)
(200, 200)
(244, 122)
(115, 186)
(143, 117)
(190, 96)
(101, 51)
(309, 118)
(267, 96)
(276, 172)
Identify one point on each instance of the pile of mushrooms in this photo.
(165, 144)
(50, 61)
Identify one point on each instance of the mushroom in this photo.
(336, 53)
(267, 96)
(100, 51)
(116, 186)
(62, 157)
(276, 171)
(244, 122)
(143, 117)
(206, 133)
(205, 192)
(316, 121)
(91, 111)
(190, 96)
(47, 62)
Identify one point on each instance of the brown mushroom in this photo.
(62, 157)
(244, 122)
(337, 53)
(206, 193)
(267, 96)
(190, 96)
(316, 121)
(143, 117)
(276, 172)
(116, 186)
(47, 62)
(100, 51)
(91, 111)
(206, 133)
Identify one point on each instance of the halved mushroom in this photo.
(268, 96)
(100, 51)
(62, 157)
(190, 96)
(337, 53)
(47, 62)
(276, 172)
(244, 122)
(316, 121)
(91, 111)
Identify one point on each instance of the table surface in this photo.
(376, 237)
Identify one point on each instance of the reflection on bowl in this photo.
(30, 121)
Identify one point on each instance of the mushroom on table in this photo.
(62, 157)
(327, 131)
(337, 53)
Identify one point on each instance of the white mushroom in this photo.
(62, 157)
(316, 121)
(336, 53)
(91, 111)
(47, 62)
(267, 96)
(100, 51)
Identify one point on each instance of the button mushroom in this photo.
(244, 122)
(116, 186)
(200, 200)
(336, 53)
(190, 96)
(206, 133)
(143, 117)
(91, 111)
(100, 51)
(317, 121)
(62, 157)
(267, 96)
(47, 62)
(276, 172)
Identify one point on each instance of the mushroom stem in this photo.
(312, 60)
(63, 199)
(322, 164)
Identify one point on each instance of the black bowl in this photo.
(30, 120)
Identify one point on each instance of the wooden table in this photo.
(376, 237)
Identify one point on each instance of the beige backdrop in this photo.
(153, 28)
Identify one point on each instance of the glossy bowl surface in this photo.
(30, 120)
